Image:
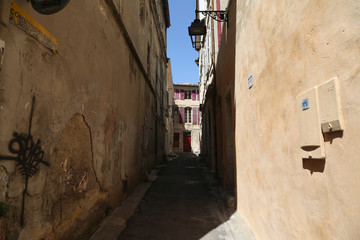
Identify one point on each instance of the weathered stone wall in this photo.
(290, 47)
(94, 113)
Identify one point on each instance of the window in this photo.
(182, 94)
(176, 94)
(187, 94)
(193, 95)
(187, 115)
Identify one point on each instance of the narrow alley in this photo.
(182, 203)
(191, 120)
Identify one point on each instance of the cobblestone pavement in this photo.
(181, 204)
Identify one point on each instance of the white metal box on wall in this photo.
(329, 107)
(311, 140)
(318, 112)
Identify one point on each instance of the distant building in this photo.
(186, 117)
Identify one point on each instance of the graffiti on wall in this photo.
(28, 155)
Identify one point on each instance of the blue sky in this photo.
(180, 51)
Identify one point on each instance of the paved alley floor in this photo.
(181, 204)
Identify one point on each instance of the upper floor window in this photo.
(187, 94)
(181, 94)
(188, 115)
(176, 93)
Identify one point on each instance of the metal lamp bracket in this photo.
(219, 16)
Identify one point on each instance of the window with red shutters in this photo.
(187, 94)
(176, 94)
(182, 94)
(193, 95)
(188, 115)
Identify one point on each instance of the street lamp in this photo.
(197, 29)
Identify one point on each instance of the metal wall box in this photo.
(330, 116)
(311, 139)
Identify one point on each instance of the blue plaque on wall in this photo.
(305, 104)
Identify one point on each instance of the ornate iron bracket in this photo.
(220, 16)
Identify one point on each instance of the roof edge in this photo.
(186, 85)
(166, 12)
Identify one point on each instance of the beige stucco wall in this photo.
(290, 47)
(93, 114)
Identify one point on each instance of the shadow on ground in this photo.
(183, 203)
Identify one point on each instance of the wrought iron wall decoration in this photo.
(220, 16)
(27, 154)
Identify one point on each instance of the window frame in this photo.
(187, 115)
(187, 94)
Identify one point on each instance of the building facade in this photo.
(169, 111)
(291, 65)
(186, 118)
(216, 80)
(90, 83)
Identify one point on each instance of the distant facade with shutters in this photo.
(186, 117)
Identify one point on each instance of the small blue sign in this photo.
(305, 104)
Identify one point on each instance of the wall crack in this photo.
(92, 154)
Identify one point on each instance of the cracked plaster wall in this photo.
(92, 101)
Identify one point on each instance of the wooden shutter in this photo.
(176, 94)
(194, 116)
(182, 94)
(193, 95)
(181, 119)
